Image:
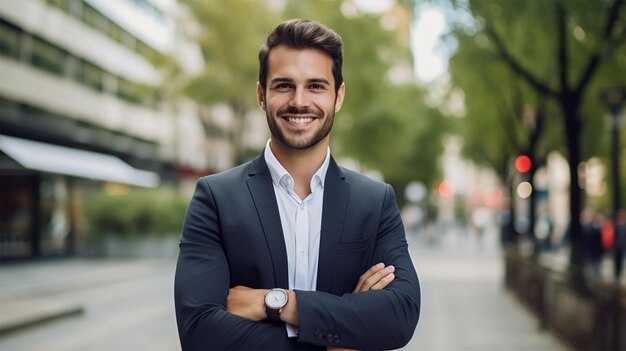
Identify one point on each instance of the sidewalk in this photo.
(465, 305)
(83, 304)
(33, 293)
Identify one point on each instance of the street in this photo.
(128, 304)
(465, 305)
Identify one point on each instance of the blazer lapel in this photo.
(260, 184)
(336, 192)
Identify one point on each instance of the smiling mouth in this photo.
(299, 120)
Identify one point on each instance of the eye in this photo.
(283, 86)
(317, 87)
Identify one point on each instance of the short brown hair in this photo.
(303, 34)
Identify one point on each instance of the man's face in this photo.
(300, 100)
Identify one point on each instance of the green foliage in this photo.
(138, 213)
(385, 126)
(529, 33)
(230, 46)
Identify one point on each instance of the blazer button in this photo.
(329, 337)
(336, 338)
(319, 335)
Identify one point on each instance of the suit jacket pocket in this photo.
(352, 246)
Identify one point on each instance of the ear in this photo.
(260, 96)
(341, 93)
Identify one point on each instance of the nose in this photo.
(299, 98)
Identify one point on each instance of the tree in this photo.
(575, 43)
(504, 119)
(385, 125)
(230, 47)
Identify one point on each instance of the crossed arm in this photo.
(211, 314)
(248, 303)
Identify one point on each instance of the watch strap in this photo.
(272, 314)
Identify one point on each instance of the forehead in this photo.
(286, 62)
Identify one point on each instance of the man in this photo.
(290, 251)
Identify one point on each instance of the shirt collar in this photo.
(278, 172)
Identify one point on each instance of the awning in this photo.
(78, 163)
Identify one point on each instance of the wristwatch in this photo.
(275, 300)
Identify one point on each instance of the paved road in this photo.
(128, 304)
(464, 303)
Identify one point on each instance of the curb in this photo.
(18, 314)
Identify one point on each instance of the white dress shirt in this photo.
(301, 220)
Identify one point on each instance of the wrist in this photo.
(275, 301)
(289, 313)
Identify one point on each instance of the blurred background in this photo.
(500, 125)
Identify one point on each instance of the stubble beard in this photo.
(299, 142)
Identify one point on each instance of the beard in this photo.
(300, 141)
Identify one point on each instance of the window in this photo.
(128, 40)
(47, 57)
(9, 41)
(90, 75)
(10, 109)
(91, 17)
(61, 4)
(146, 52)
(95, 19)
(115, 32)
(128, 91)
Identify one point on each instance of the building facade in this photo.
(83, 105)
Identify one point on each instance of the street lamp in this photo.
(613, 98)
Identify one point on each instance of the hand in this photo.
(246, 302)
(376, 278)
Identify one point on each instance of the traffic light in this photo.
(523, 163)
(445, 188)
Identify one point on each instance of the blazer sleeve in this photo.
(382, 319)
(201, 286)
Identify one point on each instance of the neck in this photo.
(301, 164)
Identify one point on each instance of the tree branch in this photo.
(607, 40)
(561, 36)
(515, 65)
(512, 139)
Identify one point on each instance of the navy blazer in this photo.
(232, 235)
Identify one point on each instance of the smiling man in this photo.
(290, 251)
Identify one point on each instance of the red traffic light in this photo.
(523, 163)
(445, 188)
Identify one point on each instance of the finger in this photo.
(383, 282)
(376, 277)
(375, 268)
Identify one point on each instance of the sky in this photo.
(430, 63)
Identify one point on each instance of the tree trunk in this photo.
(572, 121)
(239, 115)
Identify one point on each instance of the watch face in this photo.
(276, 298)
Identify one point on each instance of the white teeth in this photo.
(300, 120)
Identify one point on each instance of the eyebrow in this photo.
(289, 80)
(281, 80)
(318, 80)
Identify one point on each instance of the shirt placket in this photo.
(302, 242)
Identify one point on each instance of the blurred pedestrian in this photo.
(620, 242)
(291, 251)
(592, 241)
